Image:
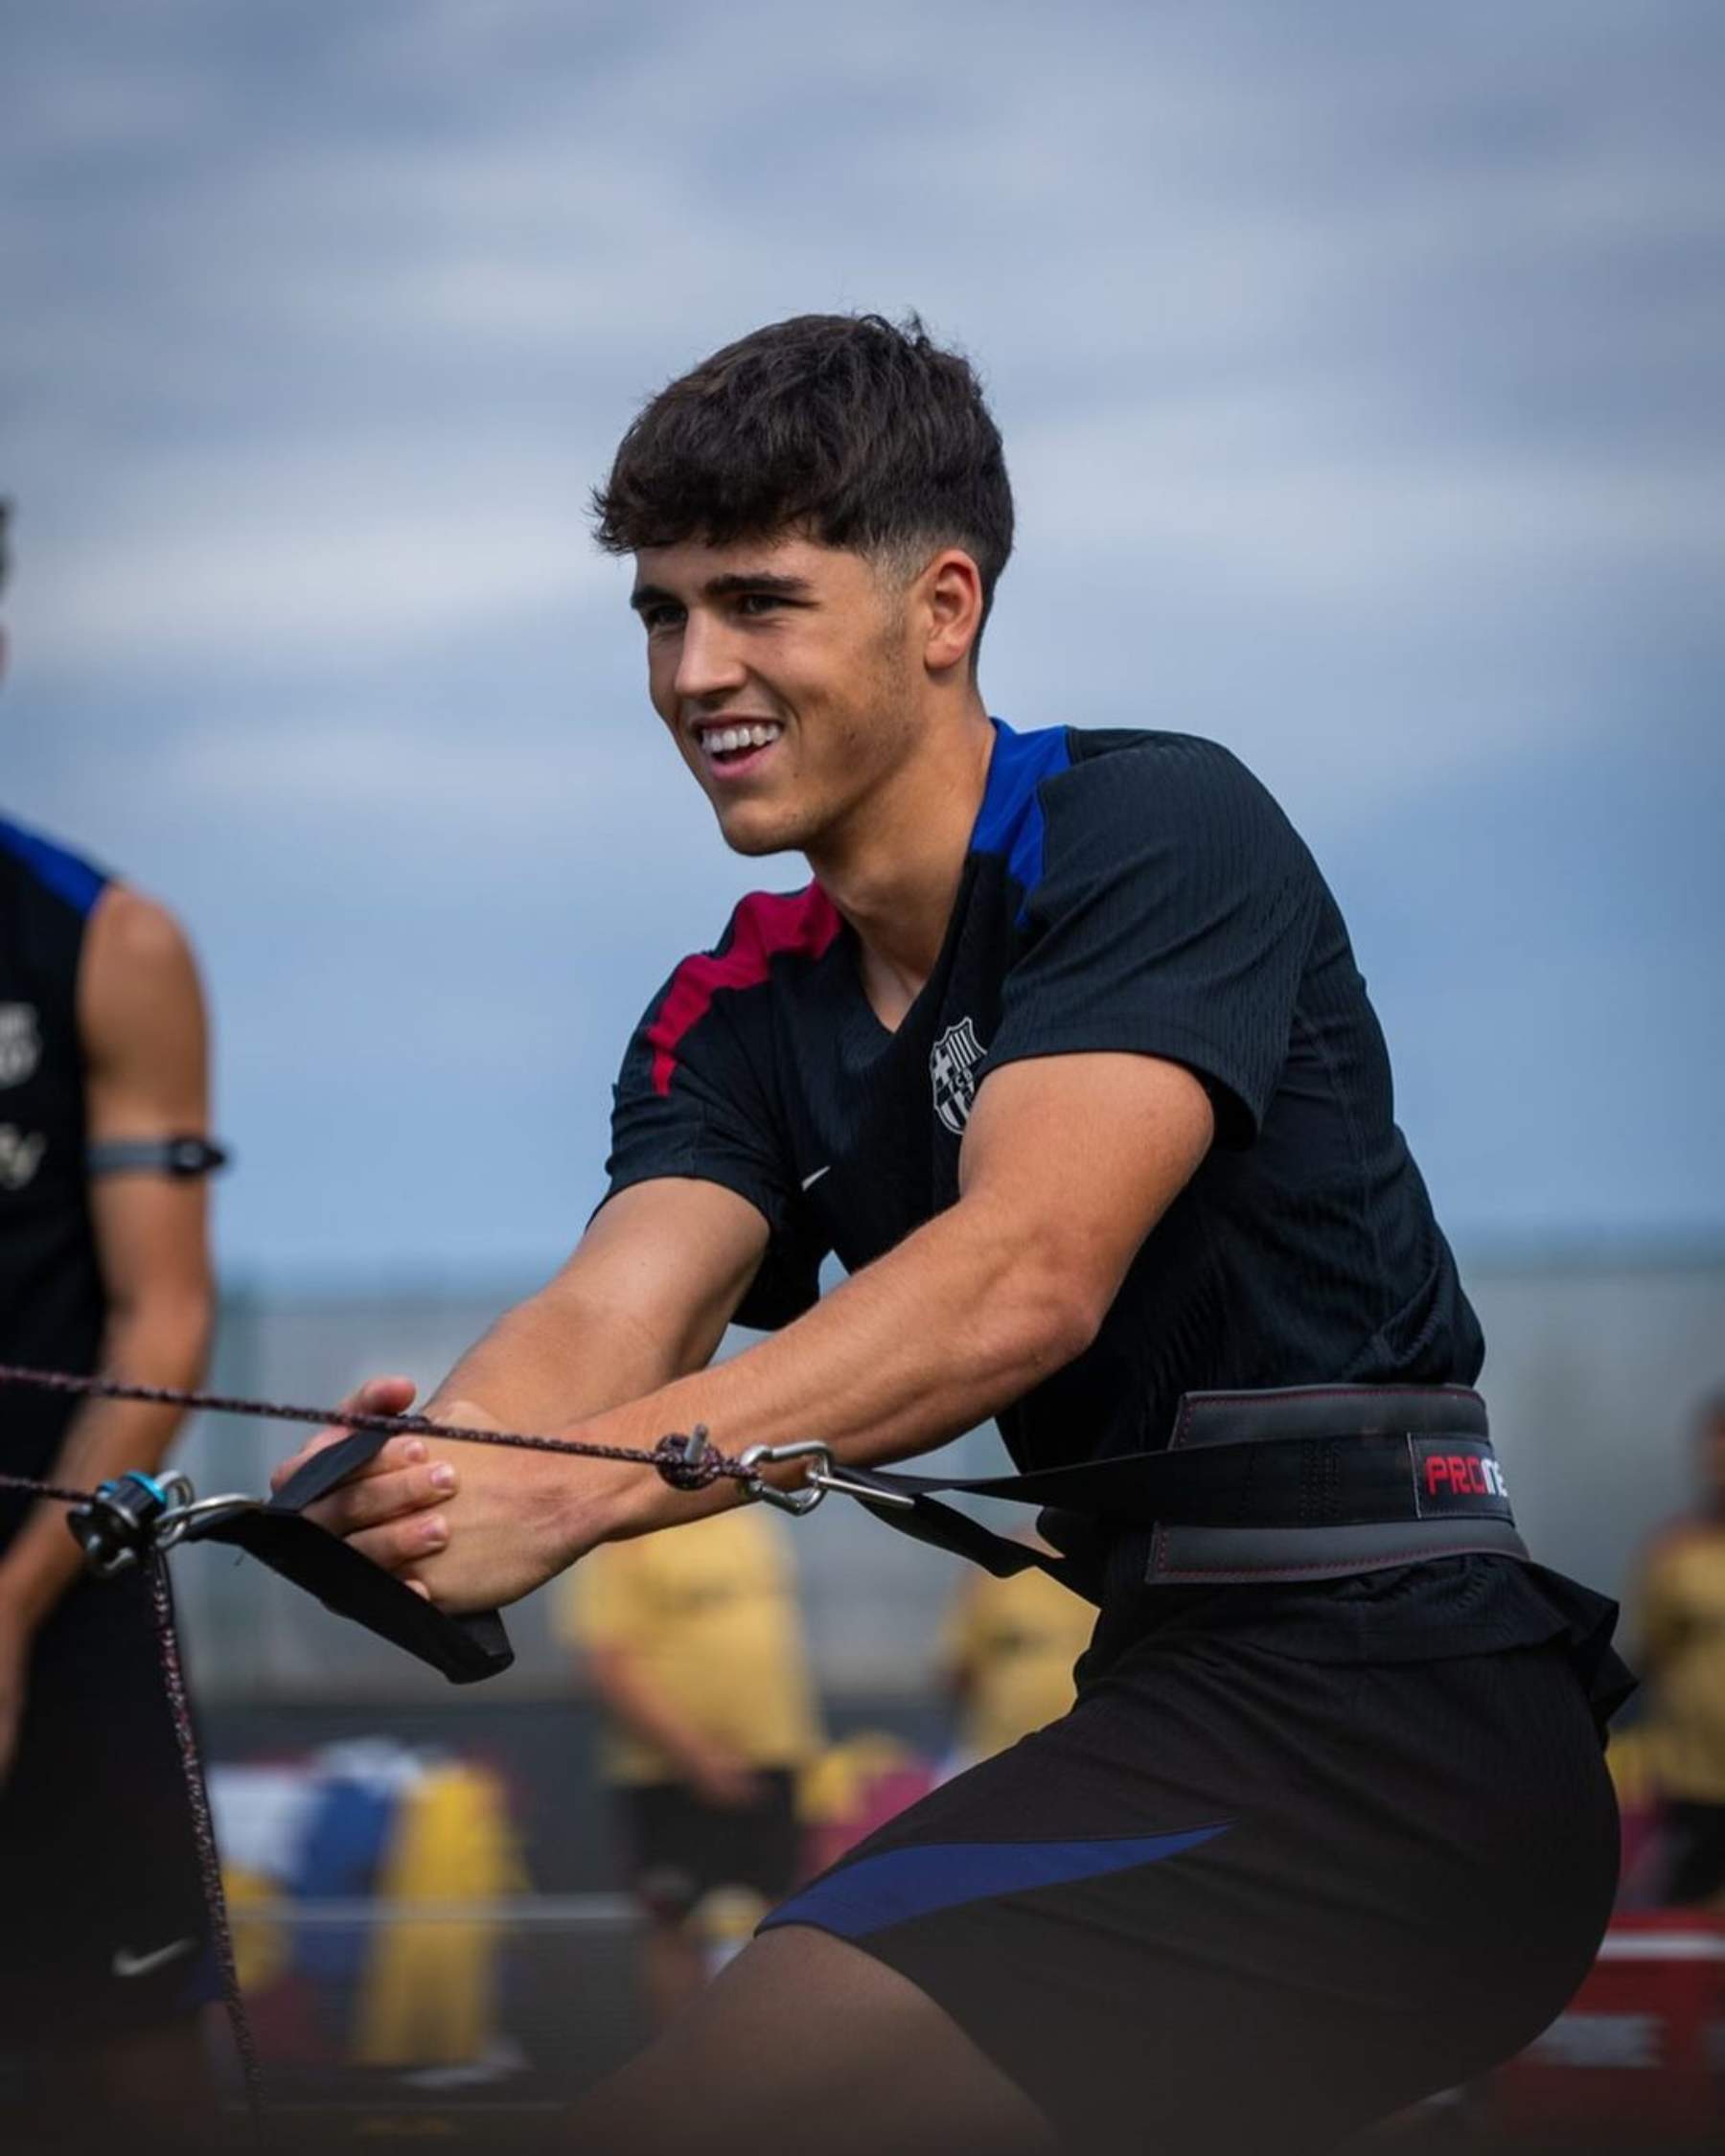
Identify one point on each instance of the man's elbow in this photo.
(1052, 1310)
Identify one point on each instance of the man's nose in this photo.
(708, 662)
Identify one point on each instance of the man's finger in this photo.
(373, 1500)
(403, 1542)
(376, 1396)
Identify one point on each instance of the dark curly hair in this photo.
(858, 431)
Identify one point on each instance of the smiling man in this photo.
(1064, 1052)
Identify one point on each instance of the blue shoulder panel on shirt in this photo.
(1010, 820)
(925, 1876)
(66, 875)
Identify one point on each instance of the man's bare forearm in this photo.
(162, 1342)
(560, 1357)
(952, 1325)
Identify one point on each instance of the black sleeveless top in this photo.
(50, 1302)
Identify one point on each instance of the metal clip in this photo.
(134, 1512)
(824, 1474)
(806, 1494)
(184, 1522)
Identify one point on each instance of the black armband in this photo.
(181, 1157)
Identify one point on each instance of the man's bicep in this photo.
(673, 1254)
(1085, 1153)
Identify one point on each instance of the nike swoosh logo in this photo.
(809, 1181)
(129, 1964)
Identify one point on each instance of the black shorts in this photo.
(103, 1924)
(681, 1849)
(1240, 1899)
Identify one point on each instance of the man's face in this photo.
(785, 671)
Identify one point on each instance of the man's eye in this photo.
(664, 617)
(758, 603)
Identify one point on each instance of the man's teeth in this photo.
(717, 739)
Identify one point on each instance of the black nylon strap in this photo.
(466, 1649)
(1307, 1484)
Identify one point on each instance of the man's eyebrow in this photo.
(726, 587)
(759, 579)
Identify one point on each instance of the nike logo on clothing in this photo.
(809, 1181)
(129, 1964)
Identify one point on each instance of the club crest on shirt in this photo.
(20, 1156)
(20, 1043)
(953, 1070)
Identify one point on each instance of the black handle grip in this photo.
(465, 1648)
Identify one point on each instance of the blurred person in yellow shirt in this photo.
(694, 1643)
(1683, 1661)
(1008, 1651)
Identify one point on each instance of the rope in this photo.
(44, 1489)
(203, 1829)
(710, 1467)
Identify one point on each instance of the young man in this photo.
(1064, 1052)
(102, 1263)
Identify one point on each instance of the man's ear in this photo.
(950, 592)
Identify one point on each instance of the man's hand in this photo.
(387, 1508)
(469, 1538)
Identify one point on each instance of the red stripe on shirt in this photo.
(763, 927)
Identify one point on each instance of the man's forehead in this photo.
(693, 566)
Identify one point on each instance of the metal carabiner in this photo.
(134, 1513)
(826, 1474)
(806, 1495)
(181, 1519)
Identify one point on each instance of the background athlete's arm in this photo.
(1069, 1161)
(141, 1023)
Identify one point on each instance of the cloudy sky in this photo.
(1360, 370)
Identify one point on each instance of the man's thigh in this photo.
(806, 2042)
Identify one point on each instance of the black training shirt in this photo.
(1131, 891)
(52, 1305)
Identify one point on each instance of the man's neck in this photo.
(895, 876)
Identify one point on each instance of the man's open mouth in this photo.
(728, 744)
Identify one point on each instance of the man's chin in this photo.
(746, 831)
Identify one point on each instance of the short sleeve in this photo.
(1173, 918)
(693, 1100)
